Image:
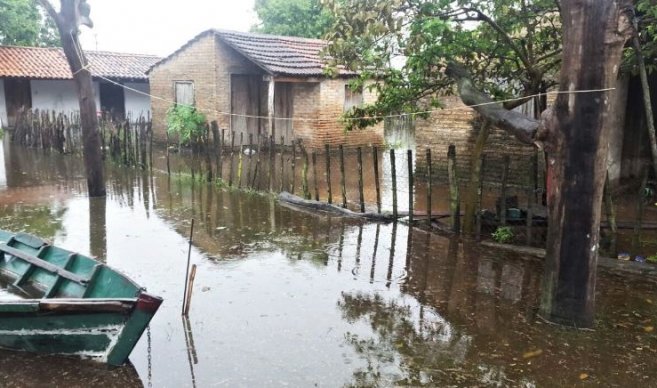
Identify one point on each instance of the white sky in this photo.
(160, 26)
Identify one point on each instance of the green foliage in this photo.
(646, 22)
(303, 18)
(22, 23)
(511, 47)
(503, 234)
(652, 259)
(186, 122)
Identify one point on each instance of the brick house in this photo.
(259, 85)
(40, 78)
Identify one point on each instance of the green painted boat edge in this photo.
(144, 305)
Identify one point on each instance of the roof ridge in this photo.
(270, 36)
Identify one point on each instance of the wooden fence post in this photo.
(361, 193)
(342, 177)
(393, 168)
(328, 172)
(429, 193)
(411, 186)
(454, 199)
(377, 185)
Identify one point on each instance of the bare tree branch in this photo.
(521, 126)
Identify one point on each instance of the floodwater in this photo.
(284, 297)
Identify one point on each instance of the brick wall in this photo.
(196, 63)
(330, 129)
(207, 62)
(456, 125)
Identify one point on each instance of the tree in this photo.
(574, 134)
(72, 14)
(511, 47)
(23, 24)
(303, 18)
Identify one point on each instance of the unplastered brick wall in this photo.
(306, 108)
(457, 124)
(209, 63)
(196, 63)
(330, 129)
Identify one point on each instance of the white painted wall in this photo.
(137, 104)
(58, 95)
(3, 105)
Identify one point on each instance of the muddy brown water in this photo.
(292, 298)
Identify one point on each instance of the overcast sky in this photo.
(160, 26)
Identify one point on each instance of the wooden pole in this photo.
(271, 163)
(304, 173)
(248, 173)
(505, 177)
(294, 165)
(343, 185)
(428, 153)
(454, 198)
(411, 186)
(282, 164)
(168, 164)
(314, 158)
(482, 165)
(393, 169)
(529, 222)
(377, 184)
(328, 172)
(220, 158)
(232, 158)
(361, 193)
(190, 290)
(239, 161)
(189, 258)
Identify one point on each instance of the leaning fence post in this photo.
(272, 161)
(328, 172)
(411, 184)
(428, 152)
(361, 193)
(375, 162)
(282, 163)
(232, 158)
(220, 159)
(314, 158)
(393, 168)
(454, 200)
(304, 172)
(248, 172)
(294, 164)
(343, 186)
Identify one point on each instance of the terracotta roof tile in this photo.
(278, 55)
(50, 63)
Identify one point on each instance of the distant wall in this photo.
(137, 104)
(3, 105)
(58, 95)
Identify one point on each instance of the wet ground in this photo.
(287, 297)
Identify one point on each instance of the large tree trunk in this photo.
(575, 136)
(67, 21)
(577, 142)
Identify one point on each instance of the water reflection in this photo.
(302, 298)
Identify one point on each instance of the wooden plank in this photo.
(4, 248)
(58, 281)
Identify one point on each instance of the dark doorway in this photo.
(112, 100)
(18, 95)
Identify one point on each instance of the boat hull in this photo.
(99, 329)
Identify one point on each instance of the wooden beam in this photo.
(4, 248)
(270, 106)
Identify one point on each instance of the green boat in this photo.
(69, 304)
